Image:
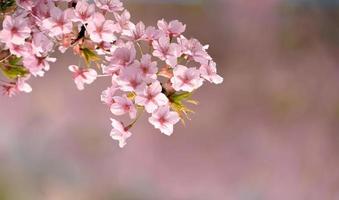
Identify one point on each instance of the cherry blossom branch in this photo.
(158, 82)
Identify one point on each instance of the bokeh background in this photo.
(269, 132)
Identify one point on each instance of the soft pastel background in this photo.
(269, 132)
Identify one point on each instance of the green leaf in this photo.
(178, 97)
(13, 71)
(89, 55)
(15, 60)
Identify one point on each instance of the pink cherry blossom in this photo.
(109, 5)
(82, 76)
(151, 33)
(100, 29)
(164, 119)
(119, 132)
(121, 57)
(22, 86)
(123, 105)
(36, 65)
(140, 63)
(41, 44)
(22, 50)
(174, 28)
(108, 94)
(135, 33)
(151, 97)
(15, 30)
(166, 51)
(123, 20)
(59, 23)
(209, 72)
(130, 80)
(83, 11)
(186, 79)
(148, 69)
(194, 49)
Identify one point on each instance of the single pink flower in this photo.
(121, 57)
(164, 119)
(82, 76)
(166, 51)
(119, 132)
(36, 65)
(59, 23)
(83, 11)
(109, 5)
(151, 97)
(22, 86)
(151, 33)
(174, 28)
(108, 94)
(194, 49)
(186, 79)
(22, 50)
(130, 79)
(15, 30)
(41, 44)
(123, 20)
(209, 72)
(122, 105)
(135, 33)
(148, 69)
(100, 29)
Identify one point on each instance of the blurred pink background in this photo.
(269, 132)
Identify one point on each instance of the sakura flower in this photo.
(122, 105)
(19, 86)
(9, 90)
(22, 86)
(59, 23)
(130, 80)
(151, 97)
(22, 50)
(174, 28)
(164, 119)
(41, 44)
(15, 30)
(209, 72)
(151, 33)
(186, 79)
(123, 20)
(120, 133)
(83, 11)
(37, 65)
(82, 76)
(166, 51)
(108, 94)
(121, 57)
(109, 5)
(136, 32)
(100, 29)
(194, 49)
(148, 68)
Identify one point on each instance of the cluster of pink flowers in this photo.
(151, 69)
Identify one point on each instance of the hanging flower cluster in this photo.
(152, 70)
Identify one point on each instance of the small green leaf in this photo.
(178, 97)
(13, 71)
(89, 56)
